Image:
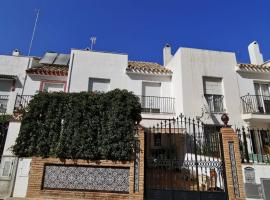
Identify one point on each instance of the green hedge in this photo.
(80, 126)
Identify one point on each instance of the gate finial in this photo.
(225, 119)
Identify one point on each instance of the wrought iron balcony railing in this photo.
(153, 104)
(257, 104)
(22, 101)
(150, 104)
(3, 103)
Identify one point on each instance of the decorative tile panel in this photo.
(88, 178)
(234, 170)
(136, 166)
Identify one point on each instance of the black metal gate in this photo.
(184, 160)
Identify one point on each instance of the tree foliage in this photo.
(80, 126)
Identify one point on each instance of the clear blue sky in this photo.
(139, 28)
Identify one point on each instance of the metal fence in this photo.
(256, 104)
(153, 104)
(254, 145)
(183, 156)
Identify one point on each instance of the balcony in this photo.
(153, 104)
(254, 145)
(256, 104)
(3, 103)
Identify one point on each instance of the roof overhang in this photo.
(8, 77)
(253, 72)
(48, 71)
(142, 72)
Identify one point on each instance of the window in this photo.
(249, 175)
(52, 86)
(98, 84)
(6, 169)
(211, 139)
(213, 93)
(157, 139)
(151, 101)
(262, 93)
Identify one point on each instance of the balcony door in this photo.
(262, 92)
(151, 97)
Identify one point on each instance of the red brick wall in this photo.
(35, 190)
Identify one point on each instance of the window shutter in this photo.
(213, 86)
(151, 89)
(101, 85)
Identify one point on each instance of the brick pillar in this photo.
(232, 161)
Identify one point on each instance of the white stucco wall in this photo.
(12, 134)
(190, 66)
(22, 177)
(86, 64)
(176, 84)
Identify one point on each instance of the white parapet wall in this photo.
(22, 176)
(12, 134)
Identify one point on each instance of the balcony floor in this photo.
(256, 117)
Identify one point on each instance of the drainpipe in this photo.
(25, 78)
(70, 72)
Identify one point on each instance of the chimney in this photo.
(255, 55)
(15, 52)
(167, 54)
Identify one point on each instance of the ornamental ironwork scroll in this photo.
(86, 178)
(234, 170)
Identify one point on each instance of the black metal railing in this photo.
(153, 104)
(182, 154)
(22, 101)
(215, 102)
(254, 145)
(256, 104)
(3, 103)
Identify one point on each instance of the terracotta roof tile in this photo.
(253, 68)
(51, 70)
(147, 67)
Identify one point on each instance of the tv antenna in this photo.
(33, 34)
(93, 42)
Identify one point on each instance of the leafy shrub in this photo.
(80, 126)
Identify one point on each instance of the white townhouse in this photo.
(204, 84)
(103, 71)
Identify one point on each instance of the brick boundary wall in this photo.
(228, 135)
(35, 190)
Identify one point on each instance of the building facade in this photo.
(198, 83)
